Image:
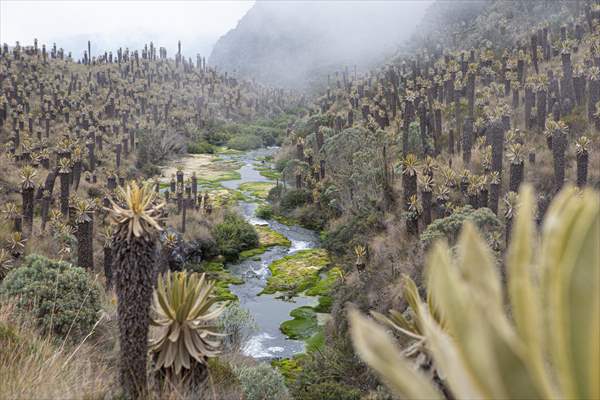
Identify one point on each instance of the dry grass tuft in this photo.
(42, 367)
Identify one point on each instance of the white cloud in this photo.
(120, 23)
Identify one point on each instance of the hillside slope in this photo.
(295, 44)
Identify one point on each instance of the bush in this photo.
(200, 147)
(234, 235)
(294, 198)
(312, 217)
(485, 220)
(245, 142)
(330, 391)
(344, 236)
(238, 324)
(62, 297)
(264, 211)
(261, 382)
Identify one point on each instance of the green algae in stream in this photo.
(267, 238)
(325, 285)
(288, 221)
(297, 272)
(257, 189)
(303, 326)
(227, 150)
(216, 271)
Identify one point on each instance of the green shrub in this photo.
(449, 228)
(330, 390)
(261, 382)
(264, 211)
(200, 147)
(343, 237)
(245, 142)
(294, 198)
(62, 297)
(312, 217)
(234, 235)
(238, 324)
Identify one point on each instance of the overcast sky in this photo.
(110, 24)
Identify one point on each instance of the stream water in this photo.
(269, 311)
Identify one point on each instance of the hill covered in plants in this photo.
(496, 96)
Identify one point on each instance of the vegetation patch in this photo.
(267, 171)
(216, 271)
(61, 297)
(221, 198)
(257, 189)
(448, 228)
(324, 305)
(325, 285)
(269, 237)
(226, 150)
(264, 211)
(296, 272)
(208, 168)
(303, 326)
(234, 235)
(282, 219)
(289, 367)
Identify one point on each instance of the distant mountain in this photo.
(291, 43)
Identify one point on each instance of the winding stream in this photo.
(268, 310)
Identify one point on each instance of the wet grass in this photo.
(267, 238)
(257, 189)
(216, 271)
(297, 272)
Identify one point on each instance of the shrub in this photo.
(312, 217)
(62, 297)
(449, 227)
(200, 147)
(342, 237)
(238, 324)
(264, 211)
(234, 235)
(245, 142)
(294, 198)
(330, 390)
(261, 382)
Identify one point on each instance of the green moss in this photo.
(316, 341)
(215, 270)
(257, 189)
(289, 367)
(282, 219)
(226, 150)
(224, 176)
(267, 171)
(325, 285)
(296, 272)
(252, 252)
(303, 326)
(324, 305)
(269, 237)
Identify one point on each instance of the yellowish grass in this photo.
(42, 367)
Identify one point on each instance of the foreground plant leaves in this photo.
(544, 344)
